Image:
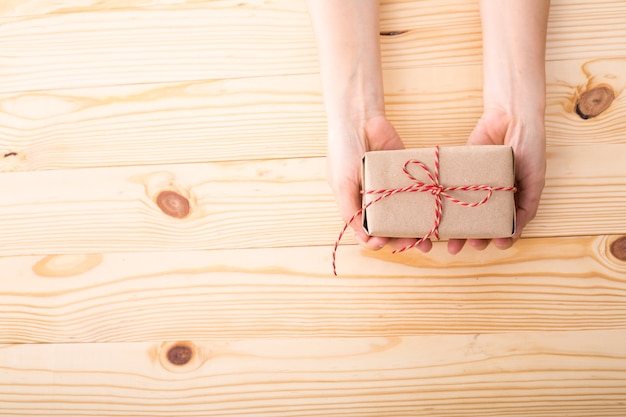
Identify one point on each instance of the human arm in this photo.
(347, 34)
(514, 96)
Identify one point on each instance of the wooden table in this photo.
(166, 228)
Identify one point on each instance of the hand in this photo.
(345, 151)
(527, 137)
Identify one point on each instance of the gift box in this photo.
(440, 192)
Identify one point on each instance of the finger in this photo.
(402, 243)
(425, 245)
(361, 236)
(523, 217)
(371, 242)
(475, 137)
(503, 243)
(348, 199)
(455, 246)
(479, 244)
(527, 205)
(398, 244)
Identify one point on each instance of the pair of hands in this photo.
(514, 98)
(526, 135)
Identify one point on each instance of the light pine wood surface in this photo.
(166, 228)
(521, 374)
(86, 43)
(270, 203)
(290, 292)
(271, 116)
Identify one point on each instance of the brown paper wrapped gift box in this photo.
(412, 214)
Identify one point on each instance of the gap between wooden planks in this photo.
(73, 47)
(255, 204)
(577, 374)
(555, 284)
(272, 117)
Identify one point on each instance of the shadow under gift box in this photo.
(413, 213)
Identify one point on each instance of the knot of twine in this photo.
(435, 188)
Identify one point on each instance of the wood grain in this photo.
(289, 292)
(166, 228)
(272, 117)
(52, 45)
(272, 203)
(575, 374)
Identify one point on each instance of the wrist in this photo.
(352, 112)
(353, 99)
(353, 89)
(347, 34)
(517, 95)
(514, 77)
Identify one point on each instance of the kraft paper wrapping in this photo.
(413, 214)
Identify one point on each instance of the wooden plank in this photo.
(256, 118)
(210, 40)
(272, 117)
(28, 8)
(70, 45)
(536, 330)
(290, 292)
(577, 374)
(226, 205)
(255, 204)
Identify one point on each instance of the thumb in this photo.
(348, 197)
(527, 204)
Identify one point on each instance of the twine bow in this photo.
(435, 188)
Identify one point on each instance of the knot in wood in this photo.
(618, 248)
(393, 32)
(179, 354)
(10, 161)
(173, 204)
(593, 102)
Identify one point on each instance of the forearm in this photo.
(514, 38)
(349, 52)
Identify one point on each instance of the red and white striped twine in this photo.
(435, 188)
